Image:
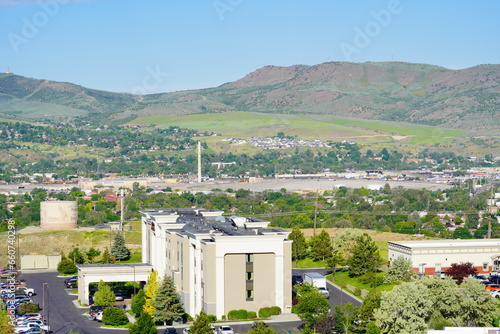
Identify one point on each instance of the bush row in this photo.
(264, 312)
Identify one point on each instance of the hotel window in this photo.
(249, 295)
(249, 276)
(485, 265)
(249, 257)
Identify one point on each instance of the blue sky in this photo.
(151, 46)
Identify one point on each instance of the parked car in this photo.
(297, 279)
(119, 296)
(170, 330)
(185, 331)
(440, 274)
(261, 323)
(225, 330)
(72, 283)
(495, 293)
(27, 291)
(66, 280)
(492, 287)
(32, 331)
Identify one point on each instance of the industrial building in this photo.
(430, 256)
(219, 264)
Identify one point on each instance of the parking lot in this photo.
(63, 315)
(60, 311)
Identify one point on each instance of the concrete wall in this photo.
(40, 261)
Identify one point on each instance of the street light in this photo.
(46, 314)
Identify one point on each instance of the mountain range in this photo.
(394, 91)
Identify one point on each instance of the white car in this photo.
(225, 330)
(495, 293)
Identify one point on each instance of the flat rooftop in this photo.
(449, 243)
(202, 221)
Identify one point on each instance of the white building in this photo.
(429, 256)
(219, 264)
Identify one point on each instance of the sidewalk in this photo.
(274, 319)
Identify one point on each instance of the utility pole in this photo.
(121, 209)
(315, 212)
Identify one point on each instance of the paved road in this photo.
(337, 295)
(63, 315)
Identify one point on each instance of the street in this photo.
(62, 315)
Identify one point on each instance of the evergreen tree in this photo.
(365, 257)
(104, 296)
(92, 253)
(167, 303)
(106, 256)
(144, 325)
(321, 246)
(201, 325)
(119, 251)
(299, 245)
(76, 256)
(150, 292)
(137, 303)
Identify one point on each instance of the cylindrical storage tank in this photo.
(58, 215)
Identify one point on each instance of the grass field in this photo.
(56, 242)
(325, 127)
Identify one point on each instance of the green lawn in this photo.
(342, 279)
(134, 258)
(309, 263)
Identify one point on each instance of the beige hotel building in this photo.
(219, 264)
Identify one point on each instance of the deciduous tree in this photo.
(405, 309)
(104, 296)
(400, 270)
(312, 307)
(137, 303)
(460, 271)
(144, 325)
(150, 291)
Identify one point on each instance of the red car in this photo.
(492, 287)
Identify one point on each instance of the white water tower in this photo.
(58, 215)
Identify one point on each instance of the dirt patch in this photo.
(376, 235)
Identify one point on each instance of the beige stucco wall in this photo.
(40, 261)
(235, 282)
(234, 278)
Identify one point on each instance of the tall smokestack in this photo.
(199, 161)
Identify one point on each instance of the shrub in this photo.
(265, 312)
(114, 316)
(252, 315)
(237, 314)
(67, 266)
(223, 317)
(357, 291)
(275, 310)
(28, 308)
(211, 317)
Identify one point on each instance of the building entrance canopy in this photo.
(123, 272)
